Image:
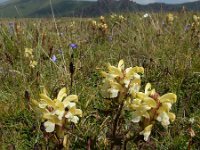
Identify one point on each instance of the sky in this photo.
(1, 1)
(163, 1)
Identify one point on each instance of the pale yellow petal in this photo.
(172, 116)
(108, 75)
(147, 88)
(70, 98)
(170, 97)
(75, 111)
(141, 95)
(150, 102)
(146, 132)
(121, 64)
(59, 105)
(48, 100)
(49, 126)
(52, 118)
(115, 71)
(62, 94)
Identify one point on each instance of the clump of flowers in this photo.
(72, 24)
(100, 27)
(170, 19)
(120, 82)
(117, 18)
(59, 112)
(149, 107)
(123, 87)
(196, 22)
(29, 55)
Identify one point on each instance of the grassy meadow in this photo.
(167, 49)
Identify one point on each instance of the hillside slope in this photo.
(42, 8)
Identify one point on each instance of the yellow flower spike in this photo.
(62, 94)
(170, 18)
(146, 132)
(195, 18)
(170, 97)
(120, 80)
(54, 112)
(102, 18)
(94, 23)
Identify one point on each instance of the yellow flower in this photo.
(55, 111)
(121, 18)
(72, 115)
(28, 52)
(149, 106)
(33, 63)
(113, 16)
(146, 132)
(170, 18)
(119, 80)
(164, 114)
(72, 24)
(196, 18)
(102, 19)
(94, 23)
(141, 107)
(148, 101)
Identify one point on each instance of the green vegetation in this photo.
(168, 49)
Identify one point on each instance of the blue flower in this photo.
(53, 58)
(11, 24)
(187, 27)
(73, 46)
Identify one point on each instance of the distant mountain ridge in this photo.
(61, 8)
